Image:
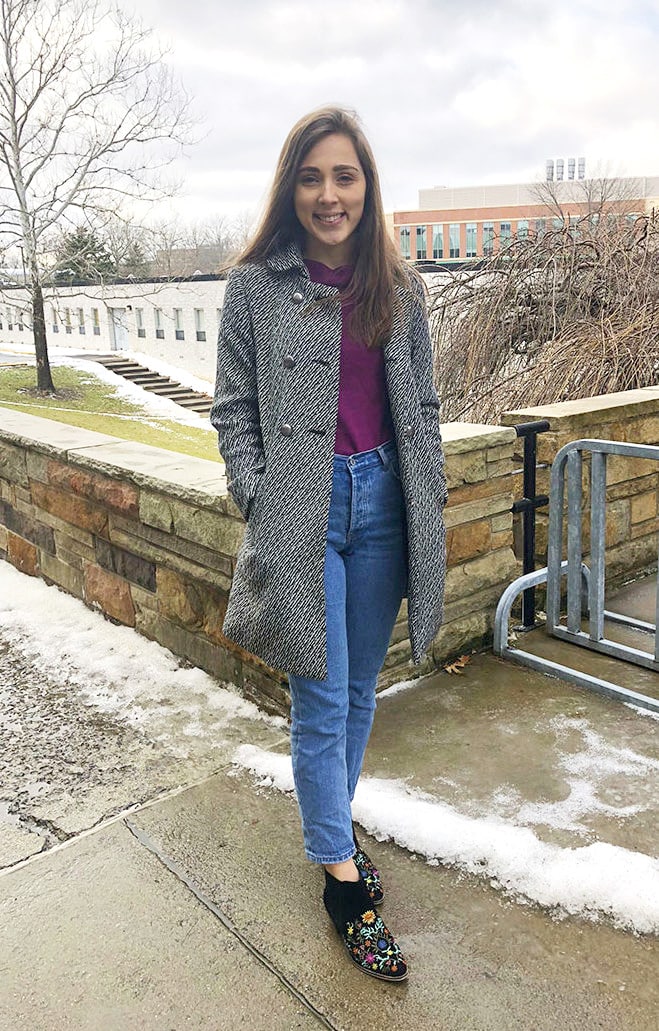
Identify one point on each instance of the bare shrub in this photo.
(569, 313)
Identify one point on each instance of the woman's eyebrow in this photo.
(336, 168)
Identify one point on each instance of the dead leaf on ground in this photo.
(458, 665)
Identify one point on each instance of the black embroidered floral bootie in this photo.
(369, 874)
(370, 944)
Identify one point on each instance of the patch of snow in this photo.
(593, 881)
(403, 685)
(641, 711)
(113, 668)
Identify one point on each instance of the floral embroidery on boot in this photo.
(370, 876)
(373, 947)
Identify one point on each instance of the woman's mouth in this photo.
(330, 220)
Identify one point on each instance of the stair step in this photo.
(146, 377)
(195, 404)
(183, 395)
(160, 388)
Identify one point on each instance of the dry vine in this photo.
(571, 313)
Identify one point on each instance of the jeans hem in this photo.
(327, 860)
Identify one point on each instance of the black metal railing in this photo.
(527, 506)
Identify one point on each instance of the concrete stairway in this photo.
(164, 386)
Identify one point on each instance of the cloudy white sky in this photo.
(451, 92)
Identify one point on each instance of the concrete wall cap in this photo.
(645, 401)
(460, 437)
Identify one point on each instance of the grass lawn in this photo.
(84, 400)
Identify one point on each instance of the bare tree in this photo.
(568, 313)
(84, 97)
(596, 197)
(127, 245)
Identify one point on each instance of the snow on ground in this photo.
(589, 766)
(119, 672)
(402, 685)
(592, 881)
(114, 669)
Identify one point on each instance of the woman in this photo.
(328, 423)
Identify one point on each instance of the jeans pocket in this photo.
(394, 467)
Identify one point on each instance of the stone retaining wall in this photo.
(150, 538)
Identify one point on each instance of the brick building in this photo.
(470, 222)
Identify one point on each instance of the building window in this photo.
(438, 242)
(68, 328)
(522, 229)
(199, 323)
(139, 322)
(488, 238)
(178, 324)
(157, 318)
(10, 318)
(96, 322)
(540, 227)
(81, 322)
(19, 318)
(471, 240)
(405, 242)
(454, 240)
(53, 320)
(421, 243)
(557, 223)
(505, 233)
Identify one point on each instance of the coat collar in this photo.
(288, 259)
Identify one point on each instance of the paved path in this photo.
(148, 884)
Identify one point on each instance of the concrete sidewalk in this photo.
(171, 891)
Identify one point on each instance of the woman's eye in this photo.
(308, 180)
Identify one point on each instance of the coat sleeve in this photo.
(235, 410)
(422, 363)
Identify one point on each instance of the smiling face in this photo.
(330, 191)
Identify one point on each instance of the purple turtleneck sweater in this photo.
(364, 419)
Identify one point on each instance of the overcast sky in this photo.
(450, 92)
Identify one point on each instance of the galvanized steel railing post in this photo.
(574, 544)
(597, 544)
(568, 465)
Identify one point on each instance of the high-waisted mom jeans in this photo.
(365, 580)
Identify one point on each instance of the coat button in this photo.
(297, 297)
(408, 431)
(289, 361)
(286, 429)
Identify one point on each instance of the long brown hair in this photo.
(378, 266)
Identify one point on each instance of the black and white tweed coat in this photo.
(275, 411)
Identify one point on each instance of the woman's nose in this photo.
(327, 191)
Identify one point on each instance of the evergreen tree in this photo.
(83, 255)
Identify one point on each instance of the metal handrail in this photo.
(528, 506)
(567, 467)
